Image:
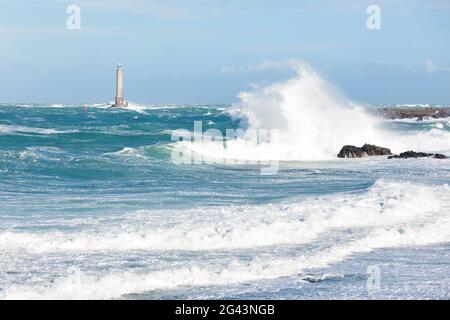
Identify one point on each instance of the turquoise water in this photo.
(93, 207)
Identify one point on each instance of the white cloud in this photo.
(167, 9)
(265, 65)
(430, 67)
(229, 69)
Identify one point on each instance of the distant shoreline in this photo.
(390, 112)
(413, 112)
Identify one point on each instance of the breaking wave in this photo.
(14, 129)
(312, 118)
(313, 121)
(389, 214)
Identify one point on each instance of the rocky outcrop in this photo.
(372, 150)
(364, 151)
(413, 154)
(350, 152)
(419, 113)
(424, 118)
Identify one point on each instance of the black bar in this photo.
(226, 309)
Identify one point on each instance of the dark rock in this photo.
(412, 154)
(365, 151)
(372, 150)
(424, 118)
(351, 152)
(440, 156)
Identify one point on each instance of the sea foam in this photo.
(15, 129)
(245, 227)
(389, 214)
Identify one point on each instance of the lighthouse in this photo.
(119, 101)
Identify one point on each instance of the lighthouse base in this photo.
(120, 105)
(120, 102)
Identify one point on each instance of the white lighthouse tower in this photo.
(120, 100)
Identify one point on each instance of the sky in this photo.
(207, 51)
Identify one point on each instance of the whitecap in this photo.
(16, 129)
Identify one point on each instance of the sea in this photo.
(109, 203)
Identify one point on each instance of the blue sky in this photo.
(207, 51)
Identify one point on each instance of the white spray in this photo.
(314, 119)
(313, 122)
